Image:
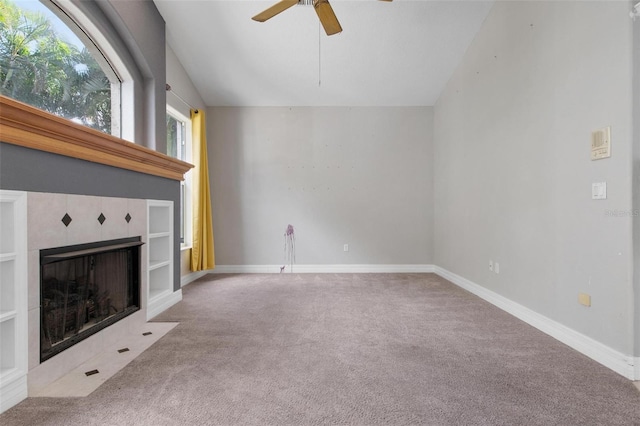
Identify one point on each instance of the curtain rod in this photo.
(168, 87)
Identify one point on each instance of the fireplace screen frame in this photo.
(131, 246)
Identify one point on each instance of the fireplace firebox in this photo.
(85, 288)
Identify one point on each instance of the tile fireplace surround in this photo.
(46, 229)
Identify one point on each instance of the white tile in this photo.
(69, 359)
(33, 279)
(138, 211)
(115, 225)
(44, 220)
(143, 287)
(77, 384)
(84, 210)
(33, 319)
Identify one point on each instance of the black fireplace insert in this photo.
(85, 288)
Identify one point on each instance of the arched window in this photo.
(48, 60)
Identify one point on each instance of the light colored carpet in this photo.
(385, 349)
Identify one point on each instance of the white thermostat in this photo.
(601, 144)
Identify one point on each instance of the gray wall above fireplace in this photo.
(24, 169)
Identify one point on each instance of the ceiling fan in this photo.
(324, 10)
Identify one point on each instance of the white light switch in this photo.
(599, 191)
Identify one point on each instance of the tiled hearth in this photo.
(55, 220)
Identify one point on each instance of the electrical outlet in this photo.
(584, 299)
(496, 268)
(491, 265)
(346, 247)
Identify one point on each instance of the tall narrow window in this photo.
(178, 146)
(44, 63)
(176, 138)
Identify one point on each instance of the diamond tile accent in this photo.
(101, 218)
(66, 219)
(128, 218)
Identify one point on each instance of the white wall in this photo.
(181, 85)
(137, 33)
(357, 176)
(512, 168)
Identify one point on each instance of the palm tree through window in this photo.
(44, 64)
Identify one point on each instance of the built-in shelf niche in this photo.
(159, 255)
(13, 298)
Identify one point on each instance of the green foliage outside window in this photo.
(175, 138)
(39, 68)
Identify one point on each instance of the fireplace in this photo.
(85, 288)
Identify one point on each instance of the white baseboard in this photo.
(13, 389)
(191, 277)
(163, 302)
(625, 365)
(320, 269)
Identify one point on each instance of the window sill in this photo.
(185, 248)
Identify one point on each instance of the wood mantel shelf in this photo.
(24, 125)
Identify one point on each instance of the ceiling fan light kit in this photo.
(323, 9)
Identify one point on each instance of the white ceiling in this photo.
(389, 54)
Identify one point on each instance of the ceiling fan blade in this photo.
(269, 13)
(327, 17)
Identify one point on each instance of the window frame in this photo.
(109, 53)
(61, 13)
(186, 186)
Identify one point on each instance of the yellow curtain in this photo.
(202, 256)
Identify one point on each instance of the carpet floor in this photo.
(359, 349)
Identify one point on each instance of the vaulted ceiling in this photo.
(399, 53)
